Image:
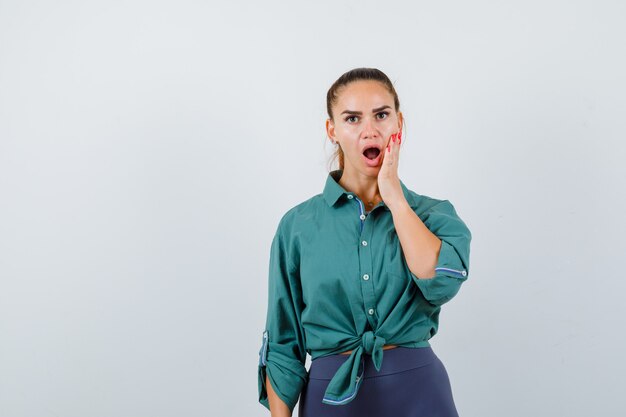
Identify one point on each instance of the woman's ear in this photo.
(330, 131)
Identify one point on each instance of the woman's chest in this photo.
(345, 256)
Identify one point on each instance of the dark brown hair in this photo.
(356, 74)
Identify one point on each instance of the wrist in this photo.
(399, 205)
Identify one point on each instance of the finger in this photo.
(391, 149)
(398, 143)
(390, 144)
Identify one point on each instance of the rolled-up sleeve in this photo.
(283, 354)
(452, 267)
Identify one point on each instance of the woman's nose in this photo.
(369, 130)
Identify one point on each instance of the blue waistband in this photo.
(396, 360)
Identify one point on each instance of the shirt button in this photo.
(366, 277)
(364, 243)
(371, 311)
(350, 196)
(362, 216)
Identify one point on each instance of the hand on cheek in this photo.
(388, 180)
(393, 145)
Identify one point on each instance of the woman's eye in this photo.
(386, 113)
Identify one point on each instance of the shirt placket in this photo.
(365, 262)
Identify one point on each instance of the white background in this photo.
(148, 149)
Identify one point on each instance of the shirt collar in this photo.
(333, 191)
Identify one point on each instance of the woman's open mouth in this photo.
(372, 156)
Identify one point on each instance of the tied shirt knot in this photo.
(345, 384)
(373, 346)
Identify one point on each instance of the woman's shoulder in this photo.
(426, 206)
(422, 203)
(302, 211)
(438, 212)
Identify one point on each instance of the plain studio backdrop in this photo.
(148, 150)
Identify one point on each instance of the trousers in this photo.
(412, 382)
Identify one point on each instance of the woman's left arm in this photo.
(437, 249)
(420, 246)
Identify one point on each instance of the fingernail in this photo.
(400, 134)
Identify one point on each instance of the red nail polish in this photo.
(400, 134)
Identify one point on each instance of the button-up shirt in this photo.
(338, 281)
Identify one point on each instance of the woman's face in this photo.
(364, 117)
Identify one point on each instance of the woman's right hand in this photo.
(278, 408)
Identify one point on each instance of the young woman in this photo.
(358, 274)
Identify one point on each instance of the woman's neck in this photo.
(365, 187)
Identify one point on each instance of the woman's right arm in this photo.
(277, 406)
(282, 374)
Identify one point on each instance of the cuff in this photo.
(450, 273)
(286, 373)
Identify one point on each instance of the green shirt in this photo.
(338, 281)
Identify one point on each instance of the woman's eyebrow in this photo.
(373, 111)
